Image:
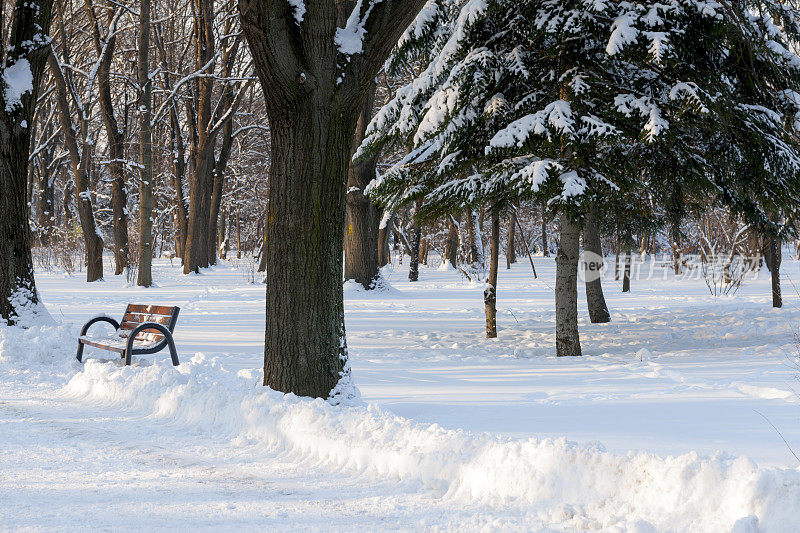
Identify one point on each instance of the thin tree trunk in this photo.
(453, 242)
(81, 163)
(116, 138)
(181, 209)
(511, 253)
(774, 262)
(593, 268)
(361, 237)
(676, 244)
(490, 292)
(47, 202)
(384, 255)
(413, 269)
(626, 276)
(203, 143)
(545, 239)
(567, 337)
(145, 275)
(475, 240)
(218, 186)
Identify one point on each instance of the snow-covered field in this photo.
(666, 423)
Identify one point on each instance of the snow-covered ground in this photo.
(665, 424)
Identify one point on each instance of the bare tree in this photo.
(145, 275)
(81, 157)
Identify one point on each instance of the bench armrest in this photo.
(97, 319)
(151, 325)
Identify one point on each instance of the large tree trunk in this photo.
(305, 347)
(593, 268)
(313, 92)
(17, 284)
(145, 274)
(362, 216)
(567, 337)
(490, 292)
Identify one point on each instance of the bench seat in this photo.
(116, 343)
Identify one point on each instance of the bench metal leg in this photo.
(79, 356)
(172, 351)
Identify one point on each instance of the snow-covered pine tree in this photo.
(577, 102)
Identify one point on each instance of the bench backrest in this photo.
(136, 314)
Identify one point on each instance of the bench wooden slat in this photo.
(99, 344)
(150, 309)
(128, 323)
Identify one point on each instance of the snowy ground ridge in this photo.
(580, 487)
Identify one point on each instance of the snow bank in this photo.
(558, 482)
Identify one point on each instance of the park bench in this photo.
(145, 329)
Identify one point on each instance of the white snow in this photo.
(18, 80)
(455, 432)
(299, 10)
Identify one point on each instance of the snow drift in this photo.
(556, 481)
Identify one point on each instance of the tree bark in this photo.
(774, 258)
(490, 292)
(218, 186)
(545, 239)
(675, 233)
(511, 253)
(626, 275)
(475, 241)
(383, 243)
(567, 337)
(145, 274)
(361, 262)
(178, 153)
(25, 42)
(416, 237)
(593, 267)
(453, 242)
(228, 104)
(203, 143)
